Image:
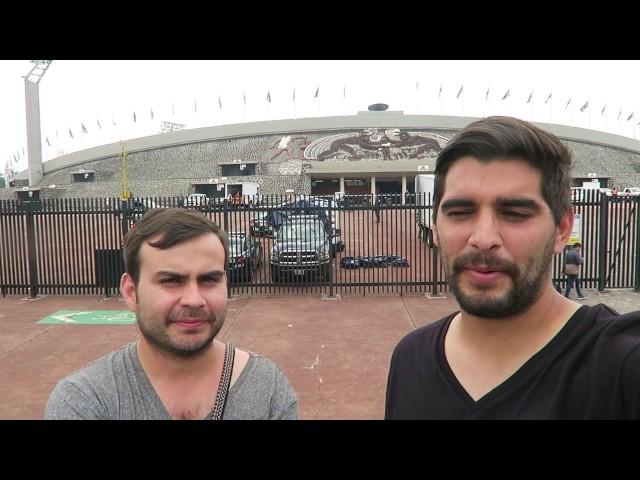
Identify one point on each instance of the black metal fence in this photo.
(73, 246)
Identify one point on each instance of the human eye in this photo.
(516, 216)
(459, 213)
(211, 279)
(170, 281)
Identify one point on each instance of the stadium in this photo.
(372, 152)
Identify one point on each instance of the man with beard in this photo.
(517, 349)
(176, 283)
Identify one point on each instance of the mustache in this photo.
(493, 263)
(192, 313)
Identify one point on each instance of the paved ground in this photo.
(335, 351)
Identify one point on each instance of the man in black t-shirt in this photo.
(517, 349)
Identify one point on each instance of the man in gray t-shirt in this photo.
(175, 282)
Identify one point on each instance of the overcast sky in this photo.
(76, 93)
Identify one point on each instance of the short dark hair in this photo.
(176, 225)
(505, 138)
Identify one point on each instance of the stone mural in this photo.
(375, 144)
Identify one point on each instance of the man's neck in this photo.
(164, 366)
(533, 328)
(484, 352)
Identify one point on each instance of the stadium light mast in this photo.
(125, 194)
(32, 105)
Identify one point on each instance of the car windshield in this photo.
(302, 231)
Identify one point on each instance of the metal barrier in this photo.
(359, 247)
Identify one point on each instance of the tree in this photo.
(2, 182)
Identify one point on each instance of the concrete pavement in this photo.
(335, 351)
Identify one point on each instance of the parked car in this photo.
(631, 191)
(196, 200)
(322, 208)
(136, 207)
(301, 250)
(245, 256)
(259, 225)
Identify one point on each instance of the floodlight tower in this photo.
(32, 104)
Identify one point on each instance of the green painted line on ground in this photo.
(90, 317)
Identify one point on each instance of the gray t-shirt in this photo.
(116, 387)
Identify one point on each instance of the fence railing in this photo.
(355, 245)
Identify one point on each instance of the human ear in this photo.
(563, 231)
(128, 291)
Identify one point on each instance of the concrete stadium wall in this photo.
(169, 164)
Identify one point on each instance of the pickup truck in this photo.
(301, 250)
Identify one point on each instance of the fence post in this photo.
(637, 280)
(125, 212)
(602, 241)
(31, 248)
(331, 246)
(434, 271)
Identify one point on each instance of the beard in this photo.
(157, 332)
(524, 290)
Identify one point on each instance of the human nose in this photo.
(191, 296)
(485, 234)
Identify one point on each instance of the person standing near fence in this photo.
(517, 349)
(377, 207)
(176, 283)
(572, 264)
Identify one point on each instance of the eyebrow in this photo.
(456, 203)
(181, 276)
(500, 202)
(527, 203)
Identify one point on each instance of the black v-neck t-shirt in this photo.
(589, 370)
